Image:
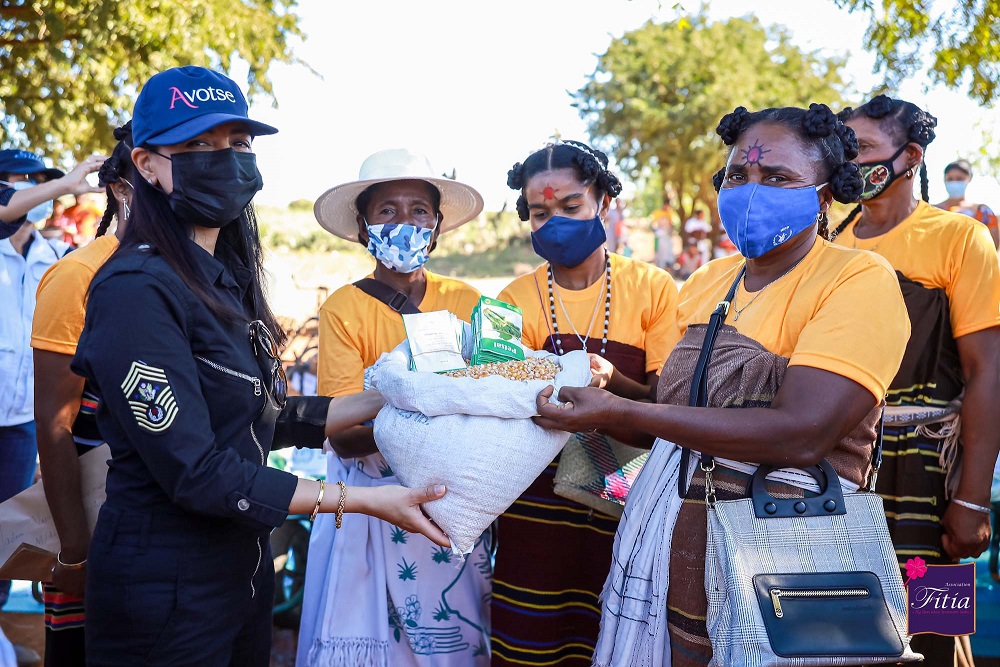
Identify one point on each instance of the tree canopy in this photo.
(69, 69)
(659, 92)
(963, 41)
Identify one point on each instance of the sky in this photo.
(477, 86)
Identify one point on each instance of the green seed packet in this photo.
(496, 328)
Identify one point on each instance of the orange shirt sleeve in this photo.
(61, 307)
(341, 369)
(661, 329)
(860, 327)
(974, 286)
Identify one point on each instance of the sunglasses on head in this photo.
(266, 349)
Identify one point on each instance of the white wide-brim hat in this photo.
(337, 211)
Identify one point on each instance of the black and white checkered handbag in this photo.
(799, 581)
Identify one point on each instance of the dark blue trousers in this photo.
(177, 590)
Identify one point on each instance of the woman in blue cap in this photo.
(27, 187)
(177, 343)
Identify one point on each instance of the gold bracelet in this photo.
(71, 566)
(340, 507)
(319, 500)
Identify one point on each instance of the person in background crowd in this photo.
(398, 583)
(724, 248)
(554, 552)
(696, 230)
(84, 215)
(664, 223)
(788, 364)
(27, 187)
(65, 407)
(177, 344)
(935, 479)
(58, 226)
(690, 260)
(956, 179)
(25, 254)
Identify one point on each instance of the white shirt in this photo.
(19, 278)
(695, 225)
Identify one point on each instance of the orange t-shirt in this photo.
(62, 296)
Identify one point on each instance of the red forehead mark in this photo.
(754, 154)
(549, 192)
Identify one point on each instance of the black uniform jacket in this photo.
(182, 395)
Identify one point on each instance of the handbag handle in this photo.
(699, 381)
(829, 502)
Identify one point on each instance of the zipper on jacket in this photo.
(253, 434)
(260, 555)
(778, 593)
(255, 381)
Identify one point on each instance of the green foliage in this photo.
(69, 69)
(660, 90)
(964, 39)
(301, 205)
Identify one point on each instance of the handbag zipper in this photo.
(778, 593)
(229, 371)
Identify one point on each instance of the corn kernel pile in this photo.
(529, 369)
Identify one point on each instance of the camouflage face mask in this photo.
(400, 247)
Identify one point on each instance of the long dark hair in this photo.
(152, 222)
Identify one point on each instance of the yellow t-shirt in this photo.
(943, 250)
(643, 310)
(839, 310)
(62, 296)
(355, 329)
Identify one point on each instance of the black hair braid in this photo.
(116, 167)
(110, 211)
(848, 220)
(846, 183)
(923, 182)
(848, 140)
(515, 177)
(732, 125)
(522, 208)
(819, 121)
(879, 106)
(718, 179)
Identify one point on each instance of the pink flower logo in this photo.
(915, 569)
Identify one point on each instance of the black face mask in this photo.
(211, 188)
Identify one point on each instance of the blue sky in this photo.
(478, 85)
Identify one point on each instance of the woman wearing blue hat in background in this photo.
(27, 187)
(177, 343)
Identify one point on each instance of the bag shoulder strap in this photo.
(387, 295)
(699, 381)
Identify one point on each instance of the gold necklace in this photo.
(739, 311)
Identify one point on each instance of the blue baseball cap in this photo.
(13, 161)
(182, 102)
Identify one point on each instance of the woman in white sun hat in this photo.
(376, 595)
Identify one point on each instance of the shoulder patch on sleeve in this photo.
(149, 395)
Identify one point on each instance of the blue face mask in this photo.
(956, 189)
(400, 247)
(568, 241)
(40, 212)
(759, 218)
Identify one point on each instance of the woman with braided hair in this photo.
(788, 357)
(65, 406)
(942, 431)
(554, 552)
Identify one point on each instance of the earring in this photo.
(909, 173)
(126, 211)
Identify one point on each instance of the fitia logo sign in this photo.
(940, 599)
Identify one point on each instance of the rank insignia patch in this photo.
(150, 397)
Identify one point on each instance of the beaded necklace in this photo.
(607, 310)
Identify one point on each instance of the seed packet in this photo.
(496, 330)
(435, 341)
